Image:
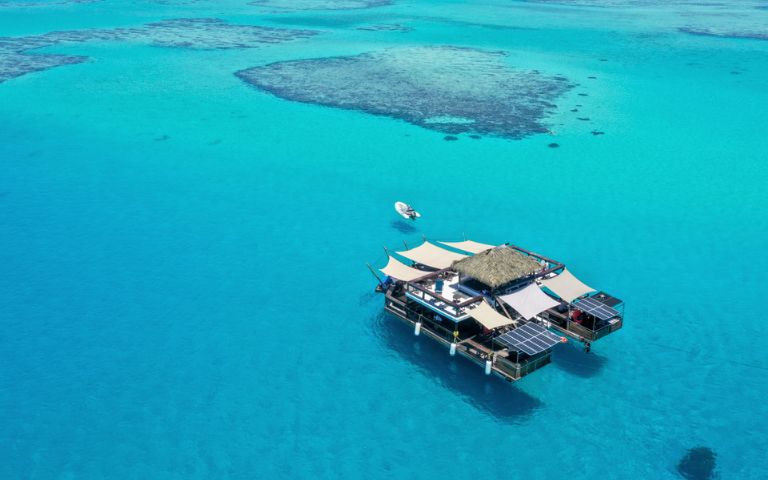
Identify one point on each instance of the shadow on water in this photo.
(490, 394)
(368, 297)
(403, 226)
(335, 21)
(572, 359)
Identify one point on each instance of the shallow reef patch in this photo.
(41, 3)
(17, 56)
(15, 64)
(213, 33)
(754, 34)
(448, 89)
(506, 403)
(698, 464)
(386, 27)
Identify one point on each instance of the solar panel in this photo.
(529, 338)
(606, 299)
(594, 307)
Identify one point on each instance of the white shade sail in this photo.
(431, 255)
(470, 246)
(488, 316)
(400, 271)
(566, 286)
(529, 301)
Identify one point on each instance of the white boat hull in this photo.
(403, 210)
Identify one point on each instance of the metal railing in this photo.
(519, 370)
(590, 334)
(415, 316)
(432, 328)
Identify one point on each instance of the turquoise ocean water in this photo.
(184, 291)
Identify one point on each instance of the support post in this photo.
(503, 308)
(375, 275)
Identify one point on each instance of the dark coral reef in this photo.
(448, 89)
(17, 56)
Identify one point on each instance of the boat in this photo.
(501, 306)
(406, 211)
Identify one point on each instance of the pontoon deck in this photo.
(502, 307)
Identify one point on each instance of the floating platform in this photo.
(503, 307)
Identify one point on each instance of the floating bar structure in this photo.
(501, 306)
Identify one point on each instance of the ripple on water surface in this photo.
(754, 33)
(321, 4)
(41, 3)
(17, 58)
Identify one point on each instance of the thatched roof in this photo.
(498, 266)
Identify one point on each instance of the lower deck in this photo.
(584, 332)
(471, 344)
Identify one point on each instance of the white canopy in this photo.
(488, 316)
(431, 255)
(400, 271)
(529, 301)
(566, 286)
(469, 246)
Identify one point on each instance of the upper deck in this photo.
(440, 293)
(520, 284)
